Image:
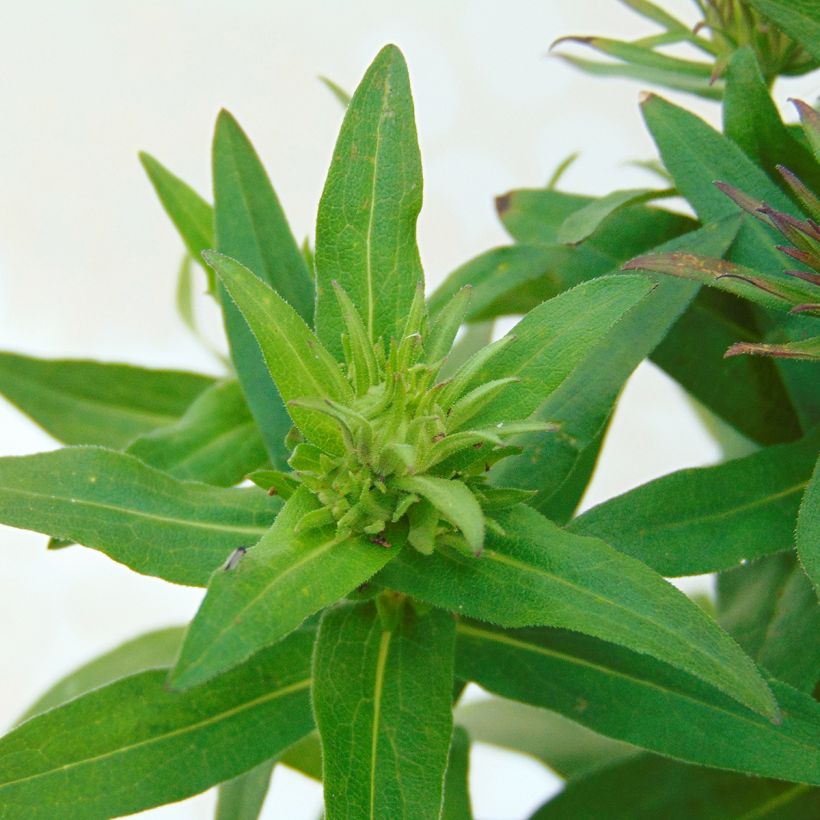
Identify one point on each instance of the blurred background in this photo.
(88, 259)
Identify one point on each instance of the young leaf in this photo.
(636, 699)
(85, 402)
(149, 651)
(242, 797)
(457, 804)
(386, 722)
(798, 18)
(133, 744)
(678, 792)
(215, 441)
(539, 574)
(709, 518)
(808, 529)
(770, 608)
(151, 522)
(550, 341)
(366, 226)
(298, 363)
(446, 322)
(192, 216)
(282, 580)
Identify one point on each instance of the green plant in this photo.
(411, 525)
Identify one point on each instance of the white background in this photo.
(88, 259)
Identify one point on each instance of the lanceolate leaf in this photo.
(650, 787)
(456, 783)
(281, 581)
(84, 758)
(300, 366)
(150, 651)
(386, 720)
(143, 518)
(85, 402)
(366, 226)
(808, 529)
(798, 18)
(709, 518)
(539, 574)
(216, 440)
(770, 608)
(634, 698)
(550, 341)
(243, 797)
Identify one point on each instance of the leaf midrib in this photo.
(211, 719)
(378, 687)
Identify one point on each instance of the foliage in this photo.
(410, 524)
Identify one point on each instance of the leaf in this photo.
(455, 502)
(85, 402)
(215, 441)
(566, 747)
(305, 756)
(474, 338)
(550, 341)
(709, 518)
(386, 722)
(342, 97)
(581, 224)
(798, 18)
(770, 608)
(242, 797)
(133, 744)
(192, 216)
(141, 517)
(636, 699)
(807, 350)
(149, 651)
(282, 580)
(298, 363)
(808, 529)
(752, 121)
(540, 574)
(678, 792)
(366, 226)
(456, 804)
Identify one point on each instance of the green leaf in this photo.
(85, 402)
(298, 363)
(386, 721)
(474, 338)
(752, 121)
(553, 339)
(457, 804)
(342, 97)
(568, 748)
(282, 580)
(636, 699)
(808, 529)
(215, 441)
(366, 226)
(649, 787)
(798, 18)
(143, 518)
(242, 797)
(455, 502)
(305, 756)
(540, 574)
(709, 518)
(133, 744)
(770, 608)
(192, 216)
(150, 651)
(445, 323)
(581, 224)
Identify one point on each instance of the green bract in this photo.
(409, 519)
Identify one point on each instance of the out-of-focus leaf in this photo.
(382, 698)
(282, 580)
(649, 787)
(215, 441)
(798, 18)
(457, 804)
(86, 402)
(242, 797)
(146, 519)
(305, 756)
(342, 97)
(538, 573)
(770, 608)
(704, 519)
(133, 744)
(636, 699)
(808, 529)
(366, 226)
